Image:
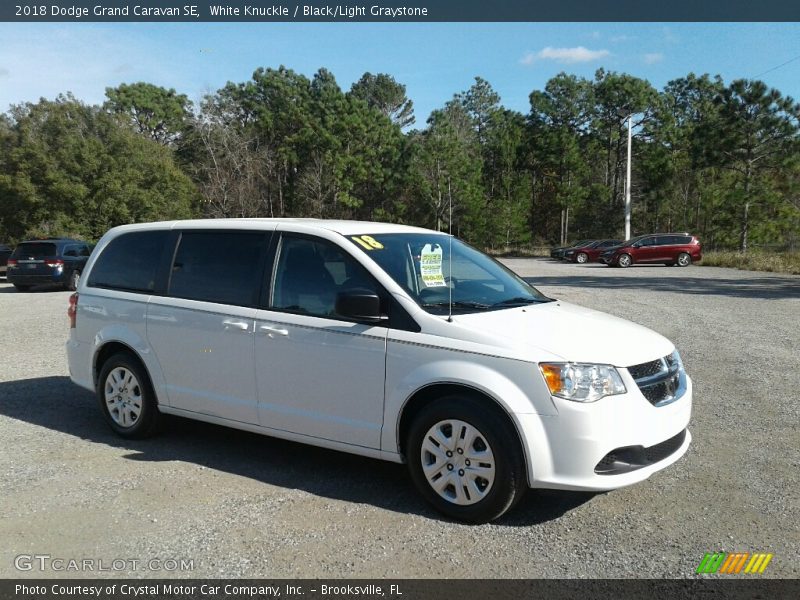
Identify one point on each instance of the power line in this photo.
(778, 67)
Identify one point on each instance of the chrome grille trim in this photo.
(660, 381)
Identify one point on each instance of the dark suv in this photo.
(51, 261)
(5, 252)
(666, 248)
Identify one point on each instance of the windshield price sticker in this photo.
(431, 266)
(367, 242)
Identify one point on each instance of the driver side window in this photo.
(310, 273)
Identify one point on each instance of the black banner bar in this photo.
(392, 10)
(734, 588)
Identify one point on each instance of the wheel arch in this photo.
(109, 349)
(431, 392)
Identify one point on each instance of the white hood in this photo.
(571, 332)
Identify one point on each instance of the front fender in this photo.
(516, 386)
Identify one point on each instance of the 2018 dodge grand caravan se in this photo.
(383, 340)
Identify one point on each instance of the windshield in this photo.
(420, 263)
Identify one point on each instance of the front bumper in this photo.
(566, 451)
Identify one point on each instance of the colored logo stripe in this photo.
(711, 562)
(732, 563)
(758, 563)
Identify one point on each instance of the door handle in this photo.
(240, 325)
(270, 331)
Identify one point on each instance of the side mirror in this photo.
(360, 305)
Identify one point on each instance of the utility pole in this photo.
(628, 184)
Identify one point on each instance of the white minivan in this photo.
(389, 341)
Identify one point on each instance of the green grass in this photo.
(518, 251)
(755, 260)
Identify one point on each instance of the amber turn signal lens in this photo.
(552, 376)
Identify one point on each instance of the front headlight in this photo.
(582, 382)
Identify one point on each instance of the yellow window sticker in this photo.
(431, 266)
(367, 242)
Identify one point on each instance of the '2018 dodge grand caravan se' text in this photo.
(383, 340)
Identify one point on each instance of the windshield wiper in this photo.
(518, 301)
(456, 304)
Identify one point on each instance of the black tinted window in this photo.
(218, 267)
(35, 250)
(129, 262)
(311, 272)
(683, 239)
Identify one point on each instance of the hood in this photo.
(570, 332)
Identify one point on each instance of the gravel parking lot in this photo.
(242, 505)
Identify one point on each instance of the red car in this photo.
(665, 248)
(590, 252)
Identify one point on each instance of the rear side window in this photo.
(35, 250)
(129, 262)
(221, 267)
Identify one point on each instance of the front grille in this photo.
(630, 458)
(647, 369)
(660, 381)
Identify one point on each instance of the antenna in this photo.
(450, 253)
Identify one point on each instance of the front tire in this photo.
(465, 459)
(126, 397)
(582, 258)
(684, 260)
(625, 261)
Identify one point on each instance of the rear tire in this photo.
(126, 397)
(22, 288)
(472, 453)
(684, 260)
(625, 261)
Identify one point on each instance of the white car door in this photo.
(202, 332)
(316, 374)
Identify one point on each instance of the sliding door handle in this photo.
(239, 325)
(271, 331)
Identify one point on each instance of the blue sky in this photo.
(434, 60)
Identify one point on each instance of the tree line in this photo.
(720, 161)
